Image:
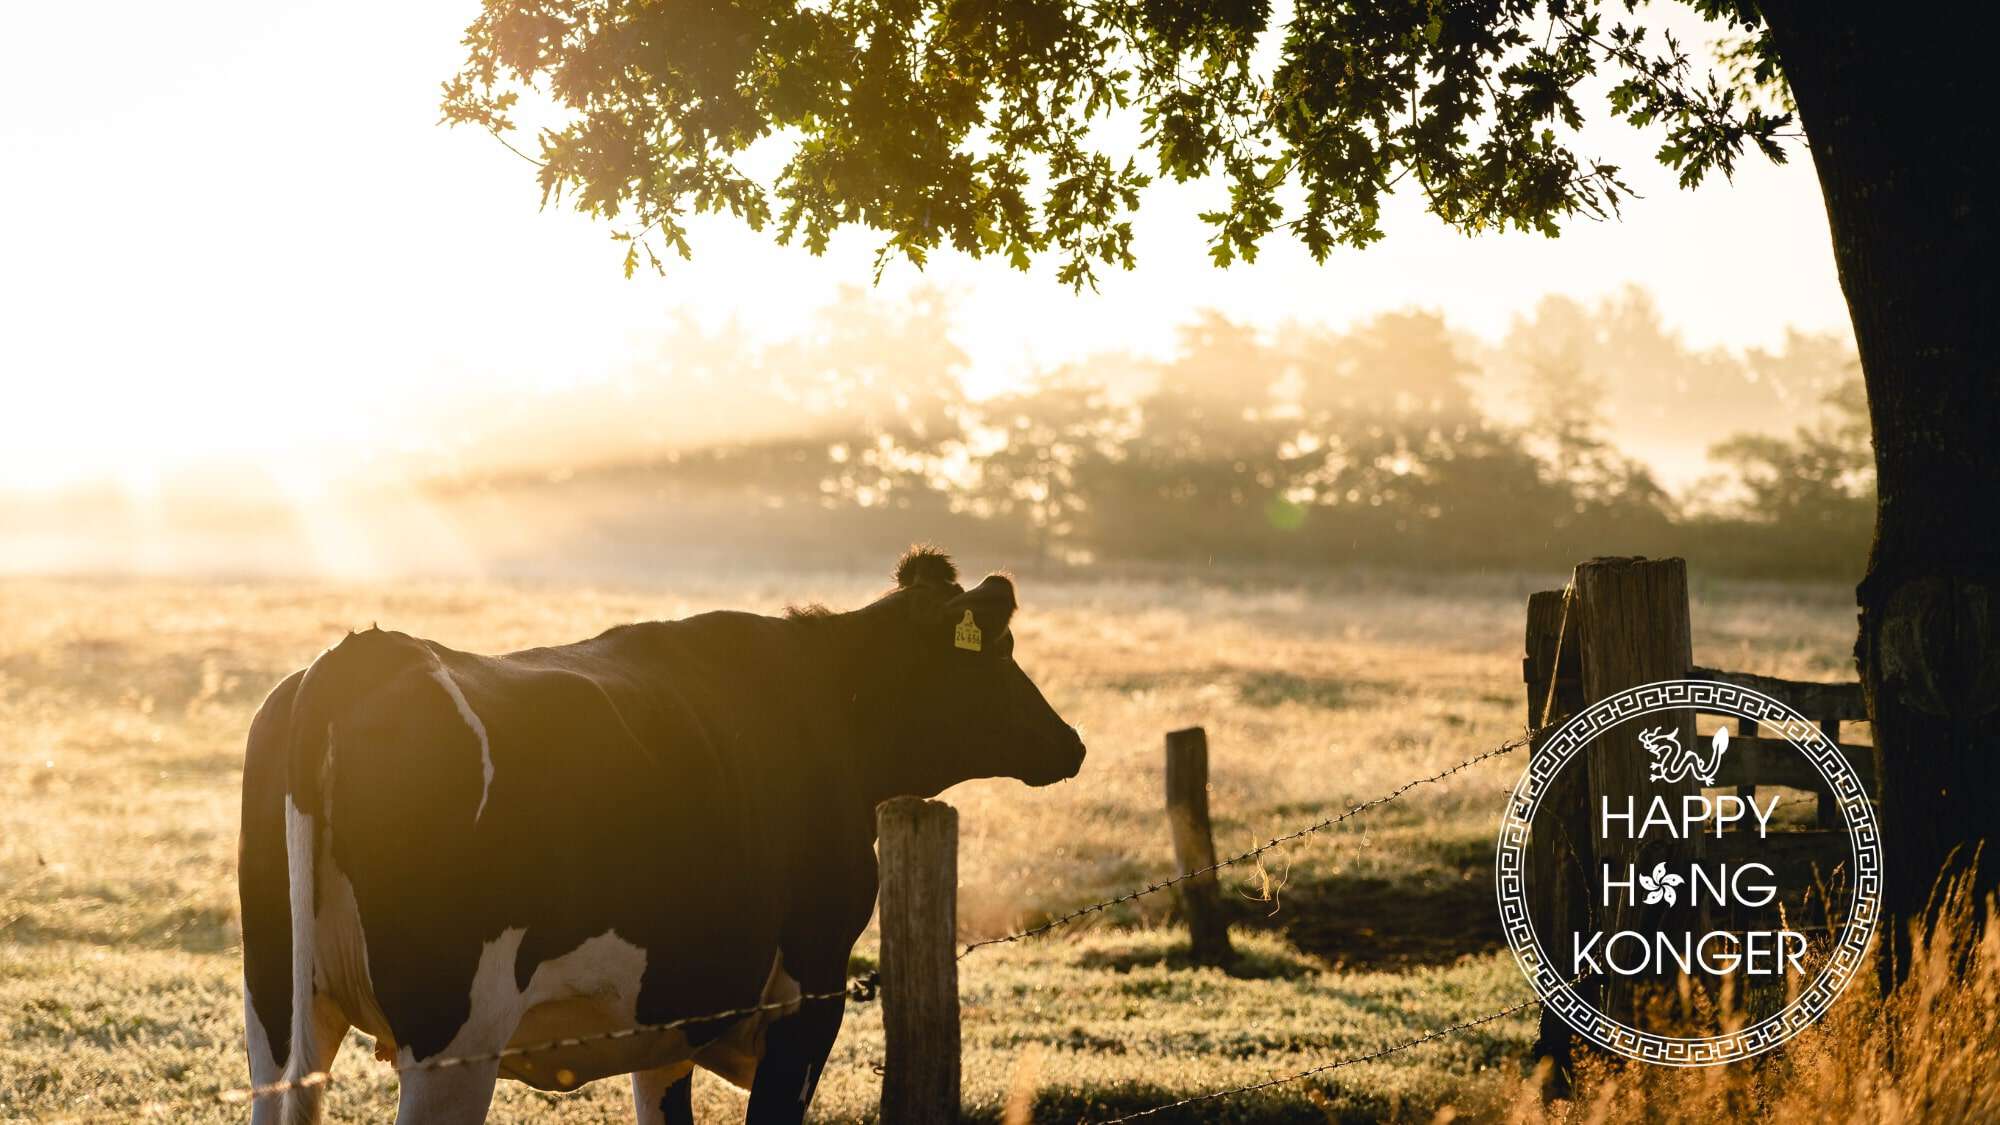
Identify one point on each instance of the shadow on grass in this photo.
(1271, 688)
(1261, 688)
(1250, 964)
(1312, 1101)
(1370, 922)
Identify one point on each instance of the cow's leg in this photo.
(664, 1096)
(266, 1068)
(452, 1095)
(795, 1050)
(303, 1106)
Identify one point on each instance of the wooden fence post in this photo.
(919, 919)
(1747, 728)
(1633, 629)
(1561, 851)
(1194, 846)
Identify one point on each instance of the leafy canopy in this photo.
(990, 125)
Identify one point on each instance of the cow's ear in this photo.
(990, 606)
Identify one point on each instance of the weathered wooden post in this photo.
(1747, 788)
(1194, 846)
(1633, 628)
(919, 919)
(1561, 851)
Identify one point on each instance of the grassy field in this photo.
(123, 706)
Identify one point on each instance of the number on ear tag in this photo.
(966, 636)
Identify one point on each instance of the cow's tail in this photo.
(340, 676)
(301, 847)
(309, 750)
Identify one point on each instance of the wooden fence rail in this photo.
(1771, 761)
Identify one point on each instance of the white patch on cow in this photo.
(606, 967)
(588, 994)
(495, 1002)
(478, 728)
(265, 1066)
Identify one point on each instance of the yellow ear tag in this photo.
(966, 636)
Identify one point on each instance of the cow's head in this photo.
(962, 708)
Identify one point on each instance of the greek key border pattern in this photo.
(1557, 990)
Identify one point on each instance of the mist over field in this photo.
(1585, 429)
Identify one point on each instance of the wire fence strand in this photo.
(1507, 747)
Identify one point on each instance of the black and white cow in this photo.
(458, 853)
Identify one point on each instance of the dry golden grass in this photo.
(1930, 1053)
(123, 706)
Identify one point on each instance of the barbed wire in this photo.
(860, 989)
(1507, 747)
(1323, 1068)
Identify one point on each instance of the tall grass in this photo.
(1929, 1052)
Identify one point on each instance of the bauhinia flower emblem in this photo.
(1659, 886)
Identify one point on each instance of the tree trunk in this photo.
(1899, 118)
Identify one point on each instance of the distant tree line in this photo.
(1397, 442)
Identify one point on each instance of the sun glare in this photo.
(331, 335)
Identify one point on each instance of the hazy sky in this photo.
(235, 229)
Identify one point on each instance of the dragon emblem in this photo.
(1673, 763)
